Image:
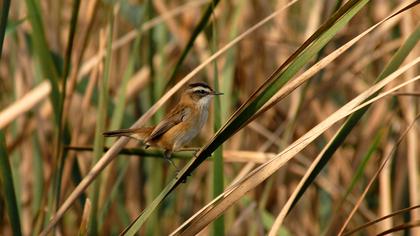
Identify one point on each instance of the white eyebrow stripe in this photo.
(201, 88)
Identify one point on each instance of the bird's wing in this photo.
(173, 118)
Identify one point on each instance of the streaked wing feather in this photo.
(173, 118)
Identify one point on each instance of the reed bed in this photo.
(317, 132)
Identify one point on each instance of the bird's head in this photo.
(200, 93)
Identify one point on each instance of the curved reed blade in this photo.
(98, 145)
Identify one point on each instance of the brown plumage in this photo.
(179, 126)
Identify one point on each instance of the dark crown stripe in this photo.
(199, 84)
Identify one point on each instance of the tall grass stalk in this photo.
(38, 189)
(154, 166)
(100, 126)
(63, 133)
(116, 122)
(50, 71)
(218, 165)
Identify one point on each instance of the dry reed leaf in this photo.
(138, 81)
(216, 207)
(85, 218)
(385, 191)
(24, 104)
(246, 156)
(408, 107)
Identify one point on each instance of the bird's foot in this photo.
(173, 164)
(167, 156)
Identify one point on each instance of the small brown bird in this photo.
(179, 126)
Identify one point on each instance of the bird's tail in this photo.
(138, 133)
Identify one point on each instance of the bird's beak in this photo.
(216, 93)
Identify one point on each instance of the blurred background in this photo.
(117, 58)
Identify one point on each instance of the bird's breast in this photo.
(202, 118)
(191, 127)
(196, 122)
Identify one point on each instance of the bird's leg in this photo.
(167, 155)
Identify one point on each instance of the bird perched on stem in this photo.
(179, 126)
